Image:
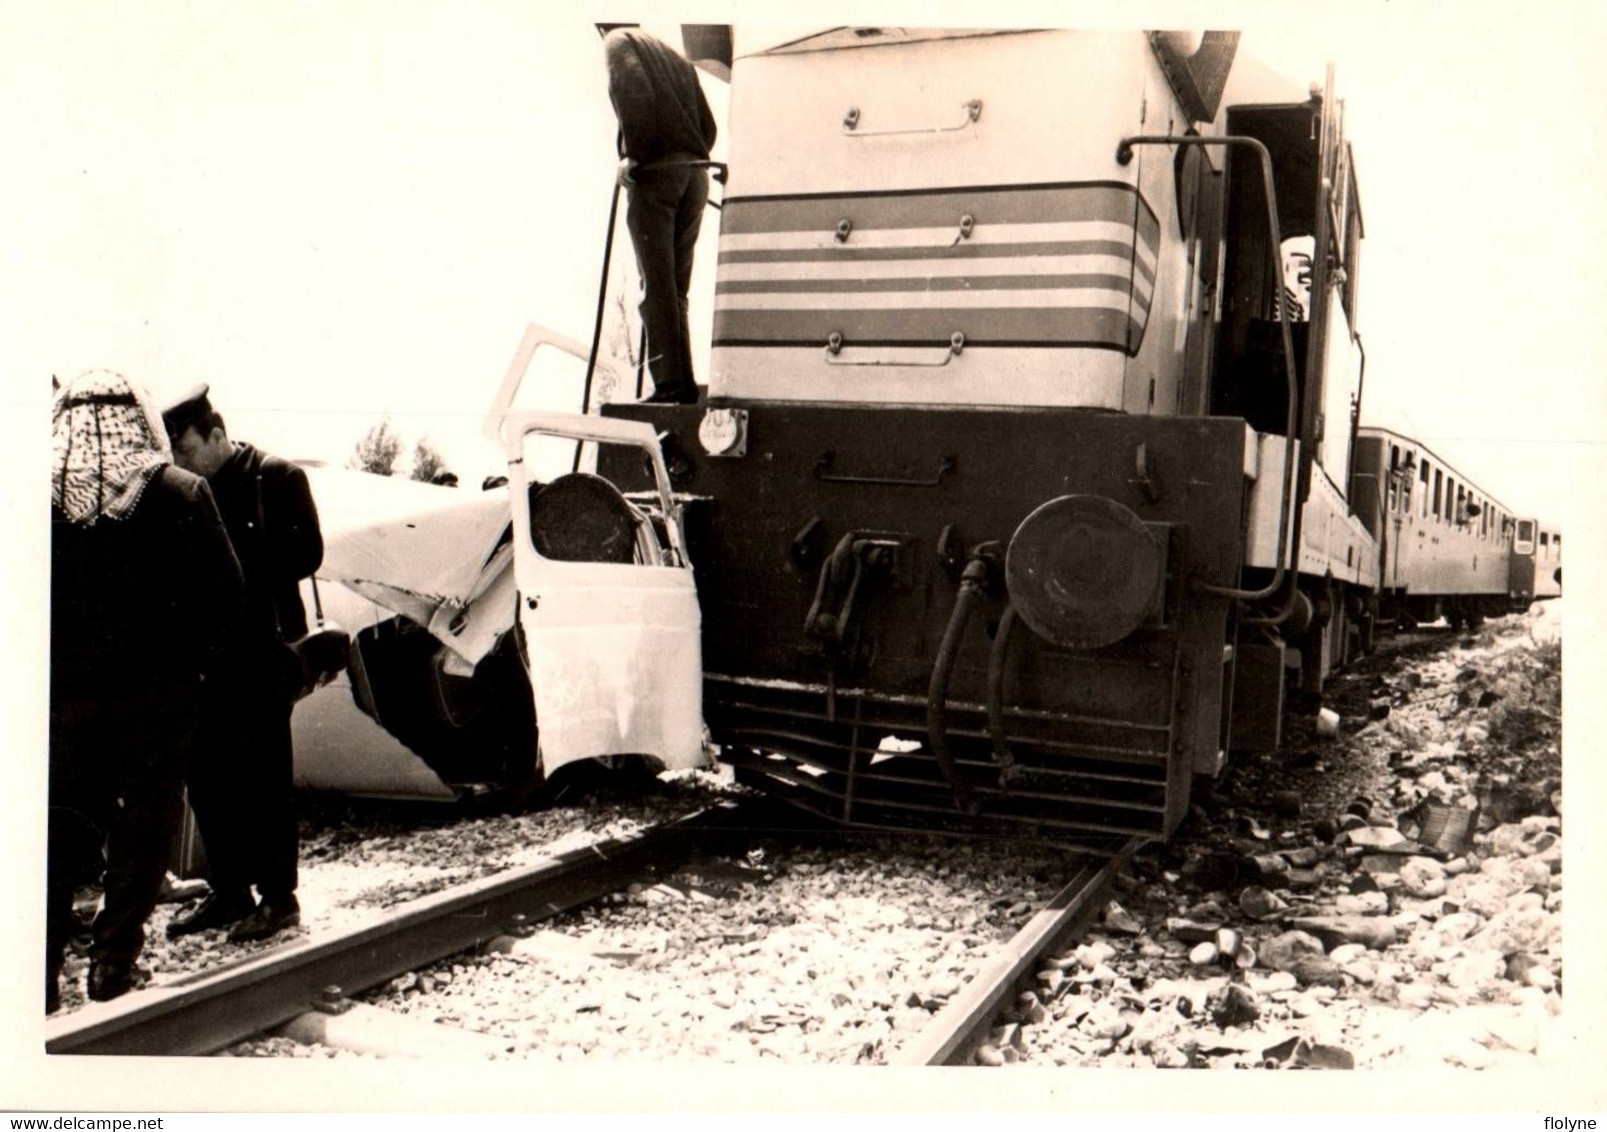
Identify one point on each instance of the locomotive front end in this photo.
(952, 500)
(970, 620)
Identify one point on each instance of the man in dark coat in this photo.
(145, 597)
(240, 783)
(666, 131)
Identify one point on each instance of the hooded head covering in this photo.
(108, 443)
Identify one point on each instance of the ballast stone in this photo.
(1282, 951)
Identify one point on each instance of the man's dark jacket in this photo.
(143, 605)
(657, 98)
(268, 509)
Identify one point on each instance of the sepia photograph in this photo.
(753, 553)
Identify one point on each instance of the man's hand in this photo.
(626, 167)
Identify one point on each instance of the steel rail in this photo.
(205, 1012)
(957, 1030)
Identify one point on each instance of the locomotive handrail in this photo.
(972, 110)
(835, 345)
(719, 170)
(823, 472)
(602, 299)
(1124, 155)
(1355, 416)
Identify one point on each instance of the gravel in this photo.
(1303, 917)
(798, 955)
(1359, 945)
(359, 858)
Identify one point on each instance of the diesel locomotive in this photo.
(1028, 481)
(1021, 479)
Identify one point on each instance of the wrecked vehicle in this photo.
(499, 636)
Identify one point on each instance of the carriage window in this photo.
(1437, 484)
(1393, 500)
(1422, 478)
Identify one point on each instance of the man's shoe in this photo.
(217, 911)
(671, 395)
(109, 980)
(271, 917)
(176, 891)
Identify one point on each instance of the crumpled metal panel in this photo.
(616, 669)
(614, 650)
(420, 550)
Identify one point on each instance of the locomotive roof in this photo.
(846, 38)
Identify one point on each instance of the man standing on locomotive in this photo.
(666, 132)
(240, 780)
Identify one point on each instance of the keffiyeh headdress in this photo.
(108, 443)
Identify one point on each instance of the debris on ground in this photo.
(1386, 895)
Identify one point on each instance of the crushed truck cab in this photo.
(500, 635)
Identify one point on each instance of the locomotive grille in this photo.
(1083, 781)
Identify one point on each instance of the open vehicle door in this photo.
(606, 600)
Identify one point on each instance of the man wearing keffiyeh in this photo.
(146, 597)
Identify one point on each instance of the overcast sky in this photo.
(334, 213)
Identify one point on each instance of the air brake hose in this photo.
(996, 657)
(972, 581)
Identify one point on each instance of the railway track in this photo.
(207, 1012)
(304, 990)
(966, 1023)
(299, 987)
